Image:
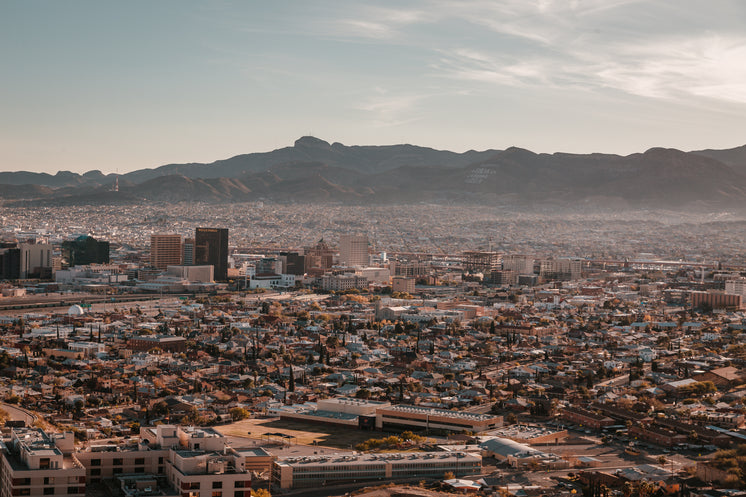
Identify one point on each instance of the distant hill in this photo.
(308, 150)
(313, 170)
(61, 179)
(733, 157)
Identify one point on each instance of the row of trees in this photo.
(392, 442)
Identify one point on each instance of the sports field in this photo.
(298, 432)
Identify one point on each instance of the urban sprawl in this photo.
(256, 349)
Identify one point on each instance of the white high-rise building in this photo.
(353, 250)
(736, 287)
(35, 258)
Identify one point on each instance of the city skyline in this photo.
(121, 87)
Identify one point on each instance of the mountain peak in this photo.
(311, 141)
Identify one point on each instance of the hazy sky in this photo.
(123, 85)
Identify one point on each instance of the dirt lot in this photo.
(303, 433)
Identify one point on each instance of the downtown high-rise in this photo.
(211, 248)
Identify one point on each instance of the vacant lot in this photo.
(303, 433)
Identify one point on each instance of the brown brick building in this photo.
(167, 343)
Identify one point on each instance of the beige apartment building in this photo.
(112, 460)
(402, 284)
(342, 282)
(36, 463)
(189, 462)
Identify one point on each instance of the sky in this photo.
(124, 85)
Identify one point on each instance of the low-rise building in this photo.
(37, 463)
(194, 461)
(320, 471)
(342, 282)
(586, 418)
(402, 284)
(408, 417)
(167, 343)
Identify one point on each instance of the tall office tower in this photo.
(269, 265)
(36, 260)
(85, 250)
(211, 247)
(165, 250)
(293, 263)
(10, 261)
(319, 258)
(188, 253)
(353, 250)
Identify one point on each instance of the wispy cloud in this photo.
(709, 66)
(640, 47)
(375, 22)
(387, 109)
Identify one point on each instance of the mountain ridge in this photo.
(314, 170)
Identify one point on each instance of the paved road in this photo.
(18, 414)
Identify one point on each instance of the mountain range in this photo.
(313, 170)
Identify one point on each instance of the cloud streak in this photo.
(575, 44)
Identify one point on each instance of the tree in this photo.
(448, 475)
(79, 404)
(291, 382)
(260, 492)
(398, 328)
(627, 489)
(239, 413)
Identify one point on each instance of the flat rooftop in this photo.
(19, 465)
(523, 432)
(190, 453)
(354, 401)
(258, 452)
(197, 432)
(327, 414)
(382, 459)
(440, 412)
